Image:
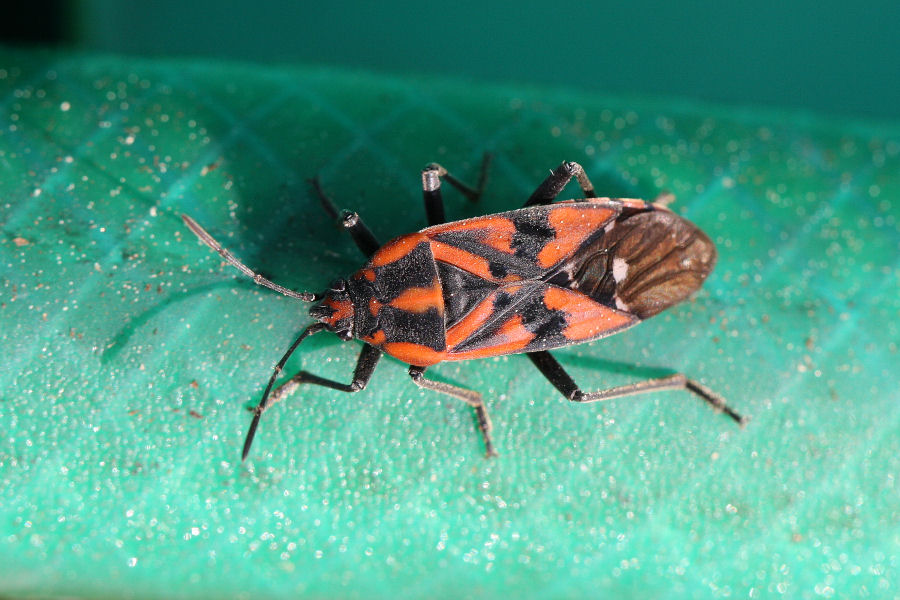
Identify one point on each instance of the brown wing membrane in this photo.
(645, 264)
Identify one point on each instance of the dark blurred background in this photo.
(829, 56)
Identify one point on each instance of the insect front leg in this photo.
(550, 188)
(431, 188)
(365, 367)
(561, 380)
(470, 397)
(351, 221)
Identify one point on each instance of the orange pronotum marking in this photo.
(374, 307)
(573, 224)
(585, 319)
(376, 339)
(419, 300)
(343, 309)
(414, 354)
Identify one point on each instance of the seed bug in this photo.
(544, 276)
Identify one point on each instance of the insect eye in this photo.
(338, 285)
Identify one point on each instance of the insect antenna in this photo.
(264, 403)
(207, 239)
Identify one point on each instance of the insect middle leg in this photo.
(351, 221)
(431, 188)
(470, 397)
(561, 380)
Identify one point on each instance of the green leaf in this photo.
(131, 351)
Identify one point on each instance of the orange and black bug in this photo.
(547, 275)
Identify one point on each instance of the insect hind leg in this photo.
(470, 397)
(550, 188)
(562, 381)
(431, 188)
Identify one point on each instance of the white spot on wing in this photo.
(620, 269)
